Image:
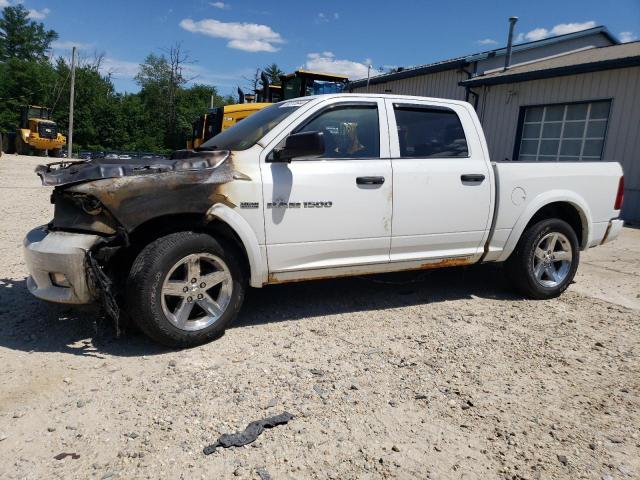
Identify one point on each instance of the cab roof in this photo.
(390, 96)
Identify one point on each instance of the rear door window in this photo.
(429, 132)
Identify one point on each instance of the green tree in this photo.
(96, 104)
(273, 73)
(21, 37)
(23, 82)
(157, 118)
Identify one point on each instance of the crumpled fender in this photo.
(257, 261)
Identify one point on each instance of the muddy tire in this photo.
(184, 289)
(55, 153)
(545, 260)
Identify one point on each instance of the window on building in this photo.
(425, 132)
(350, 131)
(566, 132)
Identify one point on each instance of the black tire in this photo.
(21, 147)
(1, 145)
(520, 265)
(55, 153)
(143, 292)
(9, 142)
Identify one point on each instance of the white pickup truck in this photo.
(317, 187)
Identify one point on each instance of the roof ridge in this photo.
(516, 47)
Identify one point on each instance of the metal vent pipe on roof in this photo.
(512, 25)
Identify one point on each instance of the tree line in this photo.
(157, 118)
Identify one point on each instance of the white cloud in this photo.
(200, 74)
(559, 29)
(326, 62)
(68, 45)
(4, 3)
(327, 17)
(627, 37)
(125, 69)
(119, 68)
(220, 5)
(564, 28)
(487, 41)
(250, 37)
(39, 14)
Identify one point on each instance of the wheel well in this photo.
(564, 211)
(120, 263)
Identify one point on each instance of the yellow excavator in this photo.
(36, 134)
(300, 83)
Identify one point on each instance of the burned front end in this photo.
(99, 208)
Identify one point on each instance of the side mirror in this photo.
(304, 144)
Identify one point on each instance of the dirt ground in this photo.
(443, 374)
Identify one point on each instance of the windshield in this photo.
(246, 134)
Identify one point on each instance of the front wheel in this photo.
(22, 148)
(545, 259)
(184, 289)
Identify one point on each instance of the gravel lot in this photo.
(443, 374)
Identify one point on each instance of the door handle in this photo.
(370, 180)
(472, 177)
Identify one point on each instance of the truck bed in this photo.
(522, 188)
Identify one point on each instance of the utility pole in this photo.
(71, 98)
(211, 103)
(368, 76)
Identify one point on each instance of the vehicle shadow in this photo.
(30, 325)
(295, 301)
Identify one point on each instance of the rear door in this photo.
(441, 181)
(333, 210)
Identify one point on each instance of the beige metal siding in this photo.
(439, 85)
(500, 105)
(597, 40)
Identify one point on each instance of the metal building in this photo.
(570, 97)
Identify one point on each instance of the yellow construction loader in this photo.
(36, 134)
(218, 119)
(300, 83)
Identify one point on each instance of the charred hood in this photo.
(72, 172)
(105, 195)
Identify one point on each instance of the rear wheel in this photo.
(9, 142)
(184, 289)
(545, 260)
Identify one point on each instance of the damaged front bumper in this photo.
(57, 266)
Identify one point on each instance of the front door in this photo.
(442, 185)
(333, 210)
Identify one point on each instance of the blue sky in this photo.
(231, 39)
